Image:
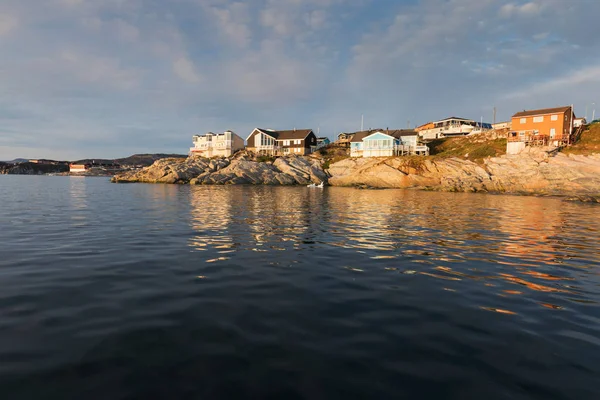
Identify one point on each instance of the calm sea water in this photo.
(154, 291)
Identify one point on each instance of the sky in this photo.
(110, 78)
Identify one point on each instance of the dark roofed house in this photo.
(278, 143)
(547, 126)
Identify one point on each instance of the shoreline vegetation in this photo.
(475, 163)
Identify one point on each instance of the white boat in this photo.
(314, 185)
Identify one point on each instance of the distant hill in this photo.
(136, 159)
(17, 161)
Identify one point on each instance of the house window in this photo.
(554, 118)
(523, 120)
(298, 141)
(521, 133)
(286, 142)
(537, 120)
(552, 133)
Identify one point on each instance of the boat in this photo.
(314, 185)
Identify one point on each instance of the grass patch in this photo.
(468, 148)
(265, 159)
(588, 143)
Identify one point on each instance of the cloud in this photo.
(8, 23)
(233, 23)
(185, 69)
(113, 76)
(524, 10)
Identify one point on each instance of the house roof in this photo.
(542, 111)
(457, 118)
(397, 133)
(293, 134)
(359, 136)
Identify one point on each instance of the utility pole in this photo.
(362, 122)
(586, 109)
(594, 112)
(408, 124)
(494, 115)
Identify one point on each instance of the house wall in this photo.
(255, 139)
(379, 145)
(544, 124)
(409, 140)
(356, 149)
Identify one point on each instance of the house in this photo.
(448, 127)
(216, 144)
(579, 122)
(79, 168)
(323, 142)
(544, 127)
(280, 143)
(356, 141)
(386, 143)
(344, 139)
(502, 125)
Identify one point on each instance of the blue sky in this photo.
(109, 78)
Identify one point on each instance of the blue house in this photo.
(387, 143)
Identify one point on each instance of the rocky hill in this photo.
(536, 171)
(144, 160)
(28, 168)
(242, 169)
(533, 172)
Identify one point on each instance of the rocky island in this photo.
(536, 171)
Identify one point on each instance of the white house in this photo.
(452, 126)
(577, 122)
(216, 144)
(387, 143)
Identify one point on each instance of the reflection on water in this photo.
(524, 244)
(170, 291)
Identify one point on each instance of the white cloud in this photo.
(184, 68)
(233, 23)
(565, 84)
(7, 23)
(525, 10)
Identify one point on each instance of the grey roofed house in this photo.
(359, 136)
(529, 113)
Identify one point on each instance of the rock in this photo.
(239, 170)
(166, 170)
(302, 169)
(531, 172)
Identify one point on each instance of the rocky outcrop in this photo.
(532, 172)
(289, 170)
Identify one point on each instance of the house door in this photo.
(257, 140)
(552, 133)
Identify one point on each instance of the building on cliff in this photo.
(387, 143)
(79, 168)
(216, 144)
(323, 142)
(449, 127)
(280, 143)
(544, 127)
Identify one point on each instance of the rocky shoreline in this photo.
(535, 173)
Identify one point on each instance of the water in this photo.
(152, 291)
